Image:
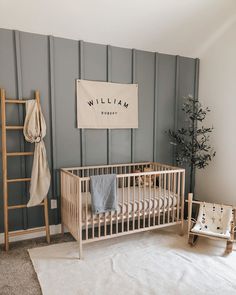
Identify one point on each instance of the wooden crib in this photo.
(146, 200)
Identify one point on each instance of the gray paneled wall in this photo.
(50, 64)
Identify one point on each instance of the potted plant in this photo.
(191, 141)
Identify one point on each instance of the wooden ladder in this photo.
(7, 181)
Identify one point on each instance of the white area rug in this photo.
(159, 262)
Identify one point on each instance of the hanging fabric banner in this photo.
(106, 105)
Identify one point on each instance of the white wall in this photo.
(169, 26)
(217, 183)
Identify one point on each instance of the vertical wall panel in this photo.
(95, 68)
(9, 82)
(165, 107)
(121, 72)
(65, 57)
(145, 77)
(66, 71)
(35, 75)
(186, 87)
(22, 198)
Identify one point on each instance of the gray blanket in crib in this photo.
(103, 193)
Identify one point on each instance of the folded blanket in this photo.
(103, 193)
(214, 220)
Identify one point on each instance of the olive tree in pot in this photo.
(192, 141)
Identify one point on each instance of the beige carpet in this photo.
(17, 275)
(157, 262)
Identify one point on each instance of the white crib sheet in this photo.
(136, 200)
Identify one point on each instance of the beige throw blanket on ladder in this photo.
(34, 132)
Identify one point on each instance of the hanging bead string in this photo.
(213, 214)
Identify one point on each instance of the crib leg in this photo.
(182, 228)
(80, 250)
(229, 247)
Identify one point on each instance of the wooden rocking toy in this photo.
(214, 221)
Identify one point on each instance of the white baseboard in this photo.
(54, 229)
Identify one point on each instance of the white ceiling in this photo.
(184, 27)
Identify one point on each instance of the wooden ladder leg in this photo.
(46, 220)
(229, 247)
(4, 168)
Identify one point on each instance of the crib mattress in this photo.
(136, 200)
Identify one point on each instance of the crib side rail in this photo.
(71, 215)
(119, 169)
(105, 169)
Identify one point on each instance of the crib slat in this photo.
(134, 203)
(118, 198)
(160, 198)
(105, 224)
(182, 200)
(178, 197)
(154, 199)
(99, 225)
(149, 207)
(164, 193)
(168, 214)
(174, 193)
(128, 201)
(144, 197)
(86, 218)
(92, 215)
(111, 214)
(123, 197)
(138, 203)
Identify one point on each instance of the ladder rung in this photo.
(14, 127)
(15, 100)
(16, 207)
(20, 154)
(21, 206)
(18, 179)
(26, 231)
